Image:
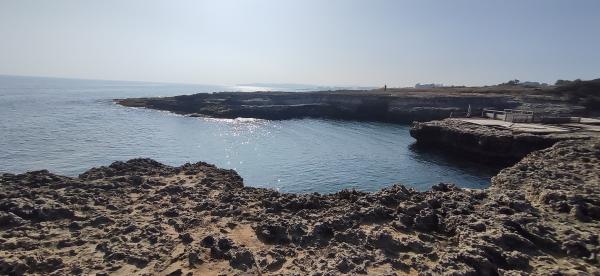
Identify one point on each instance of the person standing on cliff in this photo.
(469, 112)
(385, 87)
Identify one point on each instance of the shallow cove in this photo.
(68, 126)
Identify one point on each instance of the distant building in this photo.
(428, 85)
(532, 84)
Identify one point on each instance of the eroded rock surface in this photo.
(540, 217)
(503, 144)
(393, 105)
(398, 105)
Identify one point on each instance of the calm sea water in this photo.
(68, 126)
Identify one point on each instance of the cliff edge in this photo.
(497, 144)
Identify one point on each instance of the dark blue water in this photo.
(68, 126)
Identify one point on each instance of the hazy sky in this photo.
(314, 42)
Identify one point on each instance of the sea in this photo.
(70, 125)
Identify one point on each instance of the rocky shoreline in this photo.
(540, 216)
(397, 105)
(392, 105)
(502, 145)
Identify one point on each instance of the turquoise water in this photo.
(68, 126)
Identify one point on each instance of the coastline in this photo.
(362, 105)
(141, 217)
(399, 105)
(539, 216)
(293, 138)
(427, 110)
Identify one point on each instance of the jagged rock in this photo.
(171, 213)
(241, 259)
(343, 265)
(224, 244)
(426, 220)
(136, 180)
(272, 233)
(516, 260)
(186, 238)
(176, 272)
(100, 220)
(536, 215)
(8, 219)
(194, 258)
(576, 248)
(277, 262)
(44, 265)
(478, 262)
(387, 243)
(323, 231)
(208, 241)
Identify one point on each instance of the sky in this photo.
(334, 42)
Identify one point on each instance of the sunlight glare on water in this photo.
(69, 126)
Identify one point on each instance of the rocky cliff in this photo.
(483, 141)
(539, 217)
(402, 105)
(374, 105)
